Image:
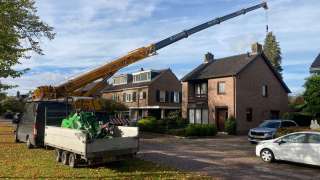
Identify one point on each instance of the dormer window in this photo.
(119, 80)
(142, 76)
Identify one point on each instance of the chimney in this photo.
(256, 48)
(209, 57)
(141, 69)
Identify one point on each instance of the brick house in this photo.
(245, 86)
(315, 66)
(146, 93)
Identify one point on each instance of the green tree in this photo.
(312, 94)
(271, 49)
(20, 32)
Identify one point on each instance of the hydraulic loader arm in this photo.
(69, 88)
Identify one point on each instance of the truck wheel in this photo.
(65, 157)
(29, 145)
(73, 160)
(58, 153)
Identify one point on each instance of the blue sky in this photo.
(91, 33)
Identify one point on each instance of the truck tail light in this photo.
(35, 131)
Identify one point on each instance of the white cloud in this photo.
(90, 33)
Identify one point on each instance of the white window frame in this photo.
(176, 97)
(129, 97)
(221, 87)
(162, 96)
(265, 91)
(191, 116)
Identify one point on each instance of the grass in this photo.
(16, 161)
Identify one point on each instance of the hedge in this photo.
(231, 126)
(201, 130)
(284, 131)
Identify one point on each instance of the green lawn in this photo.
(16, 161)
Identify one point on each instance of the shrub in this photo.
(201, 130)
(177, 132)
(147, 124)
(174, 120)
(231, 125)
(10, 104)
(302, 119)
(284, 131)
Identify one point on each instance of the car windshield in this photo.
(270, 124)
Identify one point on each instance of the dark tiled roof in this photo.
(229, 66)
(111, 87)
(316, 63)
(220, 67)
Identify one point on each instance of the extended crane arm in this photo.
(107, 70)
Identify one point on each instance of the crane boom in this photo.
(107, 70)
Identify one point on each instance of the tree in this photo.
(312, 95)
(20, 32)
(271, 49)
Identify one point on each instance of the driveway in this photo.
(225, 157)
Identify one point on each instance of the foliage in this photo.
(174, 120)
(272, 50)
(231, 126)
(147, 124)
(11, 104)
(20, 32)
(112, 106)
(40, 164)
(312, 95)
(284, 131)
(177, 132)
(201, 130)
(301, 118)
(297, 103)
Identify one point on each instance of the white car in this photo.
(301, 147)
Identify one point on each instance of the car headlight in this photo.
(268, 134)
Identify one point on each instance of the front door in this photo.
(222, 115)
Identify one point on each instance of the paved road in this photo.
(225, 157)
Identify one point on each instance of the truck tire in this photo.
(73, 160)
(65, 157)
(29, 144)
(58, 153)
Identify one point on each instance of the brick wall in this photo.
(249, 95)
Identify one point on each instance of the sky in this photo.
(91, 33)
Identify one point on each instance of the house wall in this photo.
(166, 82)
(184, 103)
(249, 95)
(216, 100)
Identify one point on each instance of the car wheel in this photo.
(58, 155)
(65, 158)
(72, 160)
(267, 155)
(29, 144)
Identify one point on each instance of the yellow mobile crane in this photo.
(71, 87)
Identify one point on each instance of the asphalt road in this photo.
(225, 157)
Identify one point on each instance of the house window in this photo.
(162, 96)
(221, 88)
(120, 80)
(198, 116)
(205, 116)
(249, 114)
(114, 97)
(129, 97)
(265, 91)
(176, 97)
(142, 95)
(142, 77)
(191, 116)
(201, 89)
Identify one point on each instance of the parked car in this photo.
(268, 129)
(300, 147)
